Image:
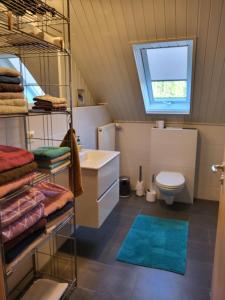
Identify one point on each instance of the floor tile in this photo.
(102, 277)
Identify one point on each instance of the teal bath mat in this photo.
(156, 243)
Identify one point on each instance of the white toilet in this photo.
(169, 185)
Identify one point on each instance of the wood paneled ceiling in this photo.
(104, 30)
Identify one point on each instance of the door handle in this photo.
(216, 168)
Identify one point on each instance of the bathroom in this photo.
(141, 84)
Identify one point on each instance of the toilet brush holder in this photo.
(150, 195)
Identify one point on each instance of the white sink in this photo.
(96, 159)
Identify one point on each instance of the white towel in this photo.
(45, 289)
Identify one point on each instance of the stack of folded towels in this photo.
(17, 168)
(11, 92)
(28, 215)
(52, 159)
(49, 103)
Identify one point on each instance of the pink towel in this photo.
(56, 196)
(14, 209)
(23, 223)
(16, 184)
(12, 157)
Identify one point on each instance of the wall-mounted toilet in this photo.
(169, 185)
(172, 163)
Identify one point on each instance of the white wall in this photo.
(87, 120)
(133, 140)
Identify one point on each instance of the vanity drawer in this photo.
(107, 175)
(107, 202)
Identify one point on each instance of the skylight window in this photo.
(165, 74)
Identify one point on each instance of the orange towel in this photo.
(75, 170)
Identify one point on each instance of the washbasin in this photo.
(96, 159)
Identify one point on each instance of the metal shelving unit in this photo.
(15, 42)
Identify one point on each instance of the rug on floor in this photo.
(156, 243)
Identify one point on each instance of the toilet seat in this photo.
(170, 180)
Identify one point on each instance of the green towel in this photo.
(47, 153)
(46, 165)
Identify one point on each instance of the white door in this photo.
(218, 281)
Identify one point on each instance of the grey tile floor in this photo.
(101, 277)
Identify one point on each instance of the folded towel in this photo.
(10, 79)
(58, 159)
(75, 170)
(49, 108)
(43, 289)
(11, 87)
(57, 169)
(46, 165)
(23, 223)
(41, 224)
(25, 246)
(17, 173)
(16, 184)
(47, 153)
(49, 104)
(37, 32)
(9, 72)
(9, 109)
(50, 99)
(4, 96)
(13, 157)
(56, 196)
(14, 209)
(13, 102)
(59, 212)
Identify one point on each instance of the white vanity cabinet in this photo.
(100, 175)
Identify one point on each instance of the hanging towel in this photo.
(75, 170)
(4, 96)
(10, 79)
(9, 72)
(11, 87)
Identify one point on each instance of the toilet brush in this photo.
(140, 184)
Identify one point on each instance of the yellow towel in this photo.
(9, 95)
(6, 109)
(13, 102)
(9, 72)
(75, 171)
(49, 98)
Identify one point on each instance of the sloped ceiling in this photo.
(104, 30)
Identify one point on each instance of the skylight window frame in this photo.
(167, 104)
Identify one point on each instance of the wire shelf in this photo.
(38, 242)
(31, 11)
(33, 113)
(40, 177)
(17, 42)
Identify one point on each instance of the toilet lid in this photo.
(170, 179)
